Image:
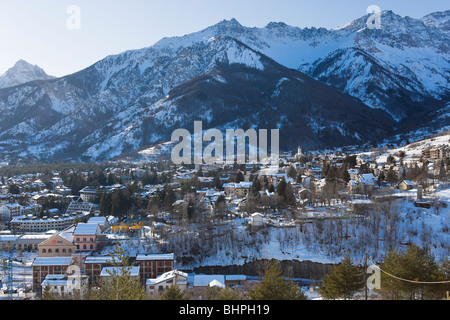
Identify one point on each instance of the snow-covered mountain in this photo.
(131, 100)
(440, 20)
(22, 72)
(401, 68)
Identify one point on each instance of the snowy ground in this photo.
(232, 243)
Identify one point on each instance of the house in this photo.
(304, 193)
(85, 236)
(161, 283)
(9, 210)
(405, 185)
(362, 183)
(238, 190)
(88, 194)
(368, 181)
(257, 219)
(66, 286)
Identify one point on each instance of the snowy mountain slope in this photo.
(96, 113)
(440, 20)
(406, 49)
(22, 72)
(263, 95)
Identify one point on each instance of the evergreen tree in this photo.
(14, 189)
(345, 176)
(342, 282)
(47, 294)
(217, 293)
(174, 293)
(169, 198)
(292, 172)
(256, 187)
(281, 188)
(119, 285)
(240, 177)
(391, 177)
(105, 206)
(274, 287)
(416, 264)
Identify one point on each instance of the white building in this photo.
(167, 280)
(63, 285)
(257, 219)
(80, 206)
(88, 194)
(9, 210)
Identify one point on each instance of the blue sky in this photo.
(36, 30)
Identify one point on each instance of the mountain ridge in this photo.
(84, 115)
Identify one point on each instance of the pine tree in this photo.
(217, 293)
(416, 264)
(275, 287)
(174, 293)
(240, 177)
(119, 285)
(281, 188)
(47, 294)
(342, 282)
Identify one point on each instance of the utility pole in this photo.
(365, 276)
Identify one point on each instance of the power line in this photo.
(411, 281)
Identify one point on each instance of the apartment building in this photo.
(44, 266)
(154, 265)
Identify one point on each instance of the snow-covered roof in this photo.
(155, 256)
(98, 259)
(99, 220)
(107, 271)
(257, 214)
(205, 280)
(235, 277)
(52, 261)
(86, 229)
(167, 276)
(216, 283)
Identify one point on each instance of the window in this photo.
(49, 250)
(56, 250)
(44, 251)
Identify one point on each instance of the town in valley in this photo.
(210, 229)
